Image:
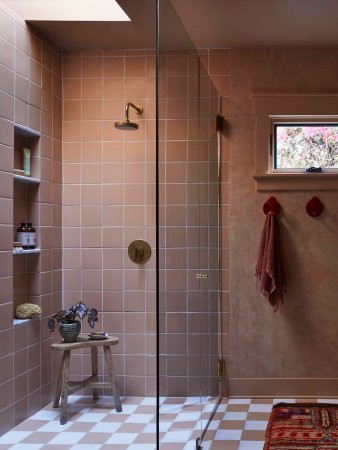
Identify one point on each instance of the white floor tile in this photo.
(26, 446)
(149, 428)
(260, 408)
(177, 436)
(74, 398)
(122, 438)
(54, 426)
(127, 409)
(251, 445)
(140, 418)
(164, 426)
(86, 447)
(239, 401)
(67, 438)
(188, 416)
(235, 415)
(149, 401)
(106, 427)
(255, 425)
(142, 447)
(13, 437)
(283, 400)
(91, 417)
(228, 435)
(46, 415)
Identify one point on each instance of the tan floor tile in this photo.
(145, 438)
(217, 416)
(167, 417)
(30, 425)
(95, 438)
(183, 425)
(253, 435)
(174, 400)
(238, 408)
(224, 445)
(145, 409)
(262, 401)
(209, 435)
(131, 400)
(170, 446)
(231, 425)
(38, 438)
(131, 428)
(258, 416)
(191, 408)
(83, 427)
(118, 418)
(113, 447)
(59, 447)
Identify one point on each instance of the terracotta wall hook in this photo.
(314, 207)
(271, 205)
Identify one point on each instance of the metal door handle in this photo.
(201, 276)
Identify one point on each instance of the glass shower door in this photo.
(187, 294)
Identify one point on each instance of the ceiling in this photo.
(210, 23)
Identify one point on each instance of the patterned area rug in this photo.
(302, 426)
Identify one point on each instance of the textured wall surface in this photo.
(30, 95)
(292, 351)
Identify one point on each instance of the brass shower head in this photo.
(126, 125)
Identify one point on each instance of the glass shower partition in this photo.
(188, 234)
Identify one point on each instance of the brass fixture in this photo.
(220, 368)
(139, 251)
(126, 125)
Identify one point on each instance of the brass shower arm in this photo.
(138, 109)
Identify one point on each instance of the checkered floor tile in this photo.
(238, 424)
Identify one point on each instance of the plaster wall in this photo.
(291, 352)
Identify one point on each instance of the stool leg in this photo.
(59, 384)
(64, 387)
(94, 371)
(109, 363)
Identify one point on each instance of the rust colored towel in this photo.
(269, 267)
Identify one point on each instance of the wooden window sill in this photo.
(296, 181)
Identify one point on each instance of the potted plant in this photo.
(69, 326)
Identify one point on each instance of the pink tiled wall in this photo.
(188, 228)
(30, 95)
(217, 64)
(109, 201)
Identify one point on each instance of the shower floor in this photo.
(239, 424)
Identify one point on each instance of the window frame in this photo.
(294, 121)
(290, 107)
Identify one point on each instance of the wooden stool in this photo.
(66, 387)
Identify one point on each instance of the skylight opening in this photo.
(68, 10)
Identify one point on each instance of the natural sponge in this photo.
(28, 311)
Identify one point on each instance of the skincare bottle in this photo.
(27, 161)
(31, 235)
(23, 236)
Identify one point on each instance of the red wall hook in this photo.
(314, 207)
(271, 205)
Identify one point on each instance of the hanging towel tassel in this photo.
(269, 267)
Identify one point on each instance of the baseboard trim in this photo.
(283, 387)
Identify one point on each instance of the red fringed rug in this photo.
(302, 426)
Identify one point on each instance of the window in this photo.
(311, 147)
(295, 132)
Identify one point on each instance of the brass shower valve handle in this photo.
(139, 251)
